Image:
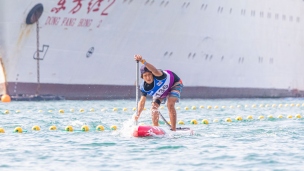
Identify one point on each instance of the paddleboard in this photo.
(147, 130)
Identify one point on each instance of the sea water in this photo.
(271, 143)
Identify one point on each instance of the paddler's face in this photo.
(148, 77)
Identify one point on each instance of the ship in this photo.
(83, 49)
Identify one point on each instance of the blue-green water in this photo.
(267, 144)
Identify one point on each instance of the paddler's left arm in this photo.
(155, 72)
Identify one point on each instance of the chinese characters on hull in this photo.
(92, 6)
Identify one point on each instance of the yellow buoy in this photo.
(134, 108)
(231, 107)
(92, 110)
(239, 118)
(193, 107)
(292, 105)
(280, 116)
(261, 105)
(249, 117)
(85, 128)
(186, 108)
(2, 130)
(286, 105)
(280, 105)
(298, 116)
(223, 107)
(270, 117)
(205, 121)
(69, 128)
(228, 120)
(53, 128)
(238, 106)
(178, 108)
(81, 110)
(124, 109)
(209, 107)
(253, 106)
(6, 112)
(202, 107)
(246, 106)
(18, 130)
(261, 117)
(40, 111)
(141, 123)
(289, 116)
(17, 111)
(5, 98)
(193, 121)
(215, 107)
(267, 105)
(113, 127)
(72, 110)
(36, 128)
(162, 107)
(215, 120)
(181, 122)
(274, 105)
(50, 111)
(145, 108)
(61, 111)
(100, 128)
(104, 109)
(298, 105)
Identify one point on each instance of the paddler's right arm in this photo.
(141, 106)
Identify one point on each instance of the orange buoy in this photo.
(5, 98)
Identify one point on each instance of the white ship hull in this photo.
(219, 48)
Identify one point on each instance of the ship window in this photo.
(261, 14)
(253, 13)
(193, 55)
(230, 10)
(276, 16)
(290, 18)
(166, 3)
(188, 4)
(204, 6)
(222, 58)
(243, 12)
(269, 15)
(210, 57)
(283, 17)
(206, 57)
(189, 55)
(166, 53)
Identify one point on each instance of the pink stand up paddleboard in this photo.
(146, 130)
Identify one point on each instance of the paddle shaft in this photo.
(167, 123)
(137, 80)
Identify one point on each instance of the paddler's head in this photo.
(146, 74)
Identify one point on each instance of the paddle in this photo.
(137, 79)
(167, 123)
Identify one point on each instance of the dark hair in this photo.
(143, 69)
